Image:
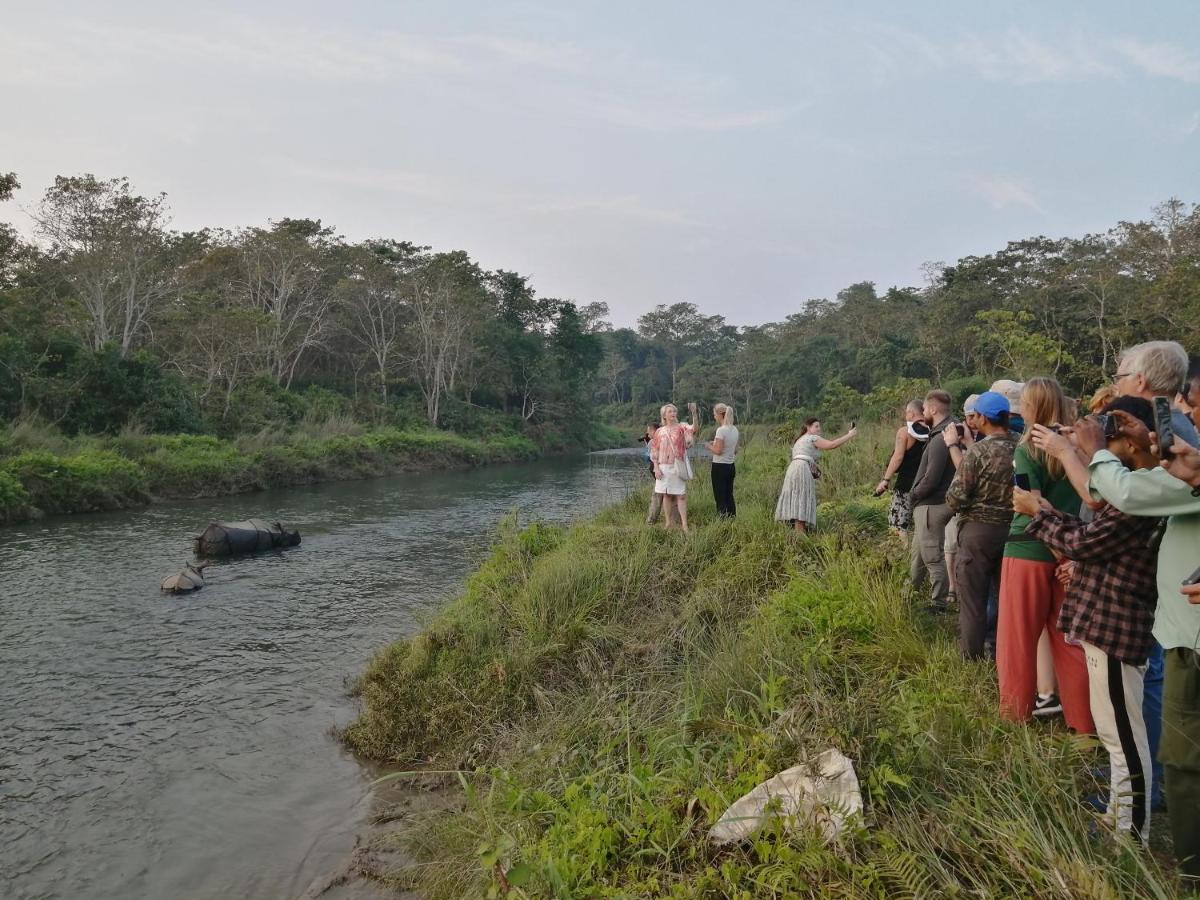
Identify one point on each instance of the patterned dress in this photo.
(668, 450)
(798, 498)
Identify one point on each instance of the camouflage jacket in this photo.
(982, 487)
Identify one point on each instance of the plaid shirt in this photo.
(982, 487)
(1112, 595)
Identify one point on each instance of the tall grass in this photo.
(608, 690)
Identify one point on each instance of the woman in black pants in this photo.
(723, 446)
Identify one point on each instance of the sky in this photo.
(744, 157)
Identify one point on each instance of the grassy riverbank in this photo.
(607, 690)
(44, 472)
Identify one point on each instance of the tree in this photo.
(372, 299)
(680, 330)
(114, 253)
(287, 274)
(447, 300)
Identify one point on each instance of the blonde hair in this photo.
(726, 413)
(662, 410)
(1103, 397)
(1043, 402)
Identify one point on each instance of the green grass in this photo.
(606, 691)
(42, 472)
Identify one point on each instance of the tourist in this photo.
(968, 432)
(930, 512)
(981, 498)
(798, 497)
(911, 438)
(1109, 608)
(1038, 671)
(672, 468)
(1012, 391)
(1157, 492)
(723, 446)
(1148, 370)
(655, 497)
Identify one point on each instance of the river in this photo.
(179, 747)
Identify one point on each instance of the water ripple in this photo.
(156, 746)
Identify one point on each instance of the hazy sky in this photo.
(745, 157)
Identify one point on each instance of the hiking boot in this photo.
(1047, 705)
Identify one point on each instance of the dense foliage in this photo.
(108, 317)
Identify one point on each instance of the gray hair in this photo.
(1163, 364)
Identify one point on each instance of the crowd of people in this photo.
(1070, 547)
(1068, 544)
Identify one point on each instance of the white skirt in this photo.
(671, 483)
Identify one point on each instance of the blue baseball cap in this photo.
(991, 405)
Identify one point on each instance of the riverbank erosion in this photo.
(41, 475)
(605, 692)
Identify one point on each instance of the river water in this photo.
(179, 747)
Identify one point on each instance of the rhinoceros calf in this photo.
(190, 579)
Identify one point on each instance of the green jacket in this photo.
(1155, 492)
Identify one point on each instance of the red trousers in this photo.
(1030, 599)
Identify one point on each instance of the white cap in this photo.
(969, 404)
(1012, 390)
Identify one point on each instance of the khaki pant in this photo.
(928, 550)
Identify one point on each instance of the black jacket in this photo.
(936, 470)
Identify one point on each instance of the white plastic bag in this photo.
(824, 791)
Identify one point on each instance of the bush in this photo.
(14, 499)
(87, 481)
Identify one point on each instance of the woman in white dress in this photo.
(672, 470)
(798, 498)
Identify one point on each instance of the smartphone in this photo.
(1162, 426)
(1194, 578)
(1110, 424)
(1021, 480)
(853, 424)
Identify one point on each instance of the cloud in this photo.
(1002, 192)
(1161, 59)
(1016, 57)
(546, 77)
(475, 196)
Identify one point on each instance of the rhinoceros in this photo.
(190, 579)
(251, 536)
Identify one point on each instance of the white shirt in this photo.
(729, 435)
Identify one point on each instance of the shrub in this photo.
(87, 481)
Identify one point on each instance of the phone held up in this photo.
(1162, 426)
(1110, 424)
(1021, 480)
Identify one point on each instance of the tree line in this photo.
(109, 317)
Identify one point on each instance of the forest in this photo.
(110, 320)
